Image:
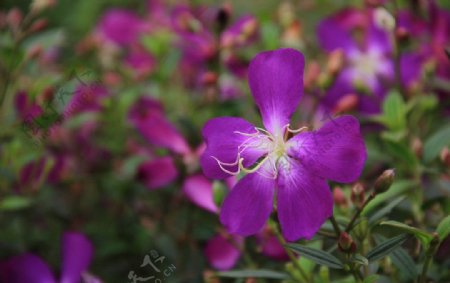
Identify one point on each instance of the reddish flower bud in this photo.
(384, 181)
(347, 103)
(35, 51)
(357, 195)
(209, 78)
(402, 34)
(445, 156)
(335, 62)
(417, 147)
(339, 197)
(346, 243)
(14, 18)
(38, 25)
(311, 74)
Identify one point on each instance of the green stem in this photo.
(358, 212)
(290, 254)
(335, 226)
(434, 244)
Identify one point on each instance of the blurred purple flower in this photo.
(77, 253)
(199, 190)
(120, 26)
(25, 107)
(158, 172)
(243, 32)
(221, 253)
(85, 98)
(296, 168)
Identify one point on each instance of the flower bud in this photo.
(401, 34)
(346, 103)
(311, 74)
(357, 195)
(346, 243)
(14, 18)
(39, 5)
(38, 25)
(339, 197)
(417, 147)
(209, 78)
(445, 156)
(335, 62)
(384, 181)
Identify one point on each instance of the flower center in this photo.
(366, 65)
(273, 149)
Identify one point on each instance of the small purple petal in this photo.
(120, 26)
(157, 173)
(26, 268)
(249, 204)
(198, 189)
(223, 141)
(332, 36)
(221, 254)
(276, 82)
(147, 116)
(336, 151)
(304, 201)
(86, 97)
(410, 66)
(379, 39)
(271, 247)
(77, 253)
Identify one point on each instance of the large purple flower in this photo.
(296, 168)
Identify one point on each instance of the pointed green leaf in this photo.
(435, 143)
(443, 228)
(386, 247)
(250, 273)
(359, 259)
(422, 236)
(14, 203)
(385, 209)
(318, 256)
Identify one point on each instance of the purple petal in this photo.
(199, 190)
(379, 39)
(77, 253)
(336, 151)
(222, 143)
(270, 246)
(147, 116)
(86, 97)
(410, 65)
(332, 36)
(221, 254)
(304, 201)
(276, 82)
(26, 268)
(249, 204)
(120, 26)
(157, 173)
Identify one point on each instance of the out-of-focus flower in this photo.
(86, 98)
(221, 253)
(298, 167)
(77, 253)
(199, 190)
(25, 107)
(241, 33)
(120, 26)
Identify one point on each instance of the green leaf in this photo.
(443, 228)
(386, 247)
(394, 112)
(371, 279)
(318, 256)
(14, 203)
(401, 259)
(434, 144)
(257, 273)
(385, 209)
(359, 259)
(270, 35)
(422, 236)
(398, 187)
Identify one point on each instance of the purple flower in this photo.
(199, 190)
(221, 253)
(296, 168)
(120, 26)
(77, 253)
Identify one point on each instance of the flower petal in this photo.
(336, 151)
(77, 253)
(223, 137)
(276, 82)
(249, 204)
(158, 172)
(221, 254)
(332, 36)
(304, 201)
(148, 117)
(378, 38)
(198, 189)
(26, 268)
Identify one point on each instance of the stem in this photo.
(358, 212)
(434, 244)
(290, 254)
(335, 226)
